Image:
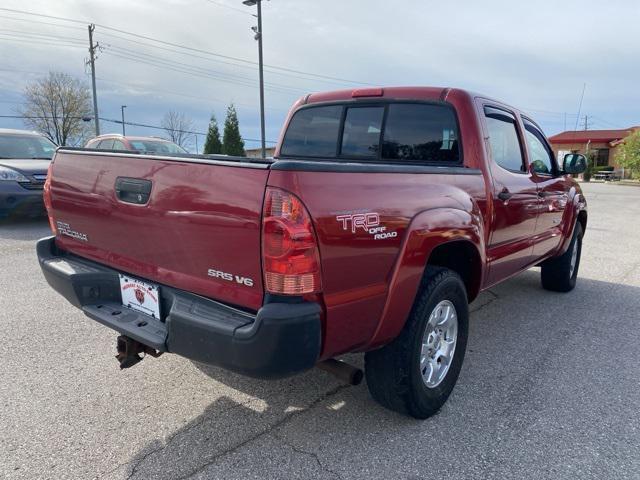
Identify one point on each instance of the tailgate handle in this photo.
(133, 190)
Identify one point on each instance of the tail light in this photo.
(289, 248)
(46, 195)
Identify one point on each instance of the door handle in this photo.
(133, 190)
(505, 194)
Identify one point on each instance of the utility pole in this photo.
(259, 33)
(586, 122)
(258, 37)
(122, 107)
(92, 60)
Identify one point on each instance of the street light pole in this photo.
(258, 37)
(122, 107)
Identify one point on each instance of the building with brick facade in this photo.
(604, 143)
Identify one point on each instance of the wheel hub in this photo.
(574, 258)
(438, 343)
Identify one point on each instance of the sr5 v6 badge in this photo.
(230, 277)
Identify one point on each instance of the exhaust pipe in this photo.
(342, 370)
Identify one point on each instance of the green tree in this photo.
(212, 143)
(232, 143)
(628, 154)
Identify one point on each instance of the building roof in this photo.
(593, 136)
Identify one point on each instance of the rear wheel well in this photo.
(463, 258)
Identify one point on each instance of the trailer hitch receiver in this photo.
(129, 351)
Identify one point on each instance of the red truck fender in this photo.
(576, 211)
(429, 230)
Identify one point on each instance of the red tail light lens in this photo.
(289, 248)
(46, 196)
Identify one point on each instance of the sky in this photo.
(535, 56)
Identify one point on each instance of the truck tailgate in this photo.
(198, 229)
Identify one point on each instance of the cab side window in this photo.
(503, 140)
(540, 156)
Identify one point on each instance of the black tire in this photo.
(393, 372)
(556, 273)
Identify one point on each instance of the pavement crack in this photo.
(307, 453)
(272, 428)
(494, 297)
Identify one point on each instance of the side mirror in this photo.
(574, 163)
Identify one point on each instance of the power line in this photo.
(212, 59)
(179, 94)
(119, 122)
(307, 77)
(60, 43)
(220, 4)
(30, 20)
(185, 47)
(44, 35)
(598, 119)
(197, 68)
(194, 72)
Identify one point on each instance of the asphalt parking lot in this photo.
(550, 388)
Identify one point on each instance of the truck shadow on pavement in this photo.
(314, 426)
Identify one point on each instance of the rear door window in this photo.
(313, 132)
(421, 133)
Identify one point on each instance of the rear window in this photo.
(156, 146)
(411, 133)
(313, 132)
(361, 133)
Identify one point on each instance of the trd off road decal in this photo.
(368, 222)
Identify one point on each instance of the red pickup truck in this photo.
(382, 215)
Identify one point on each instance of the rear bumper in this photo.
(18, 200)
(282, 339)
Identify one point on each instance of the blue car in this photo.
(24, 160)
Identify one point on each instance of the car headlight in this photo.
(10, 175)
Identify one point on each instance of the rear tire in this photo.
(559, 274)
(408, 375)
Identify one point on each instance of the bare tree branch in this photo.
(178, 127)
(55, 106)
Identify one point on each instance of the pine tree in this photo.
(212, 143)
(232, 143)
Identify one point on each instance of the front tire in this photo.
(416, 372)
(559, 274)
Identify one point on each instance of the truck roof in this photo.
(426, 93)
(131, 137)
(400, 93)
